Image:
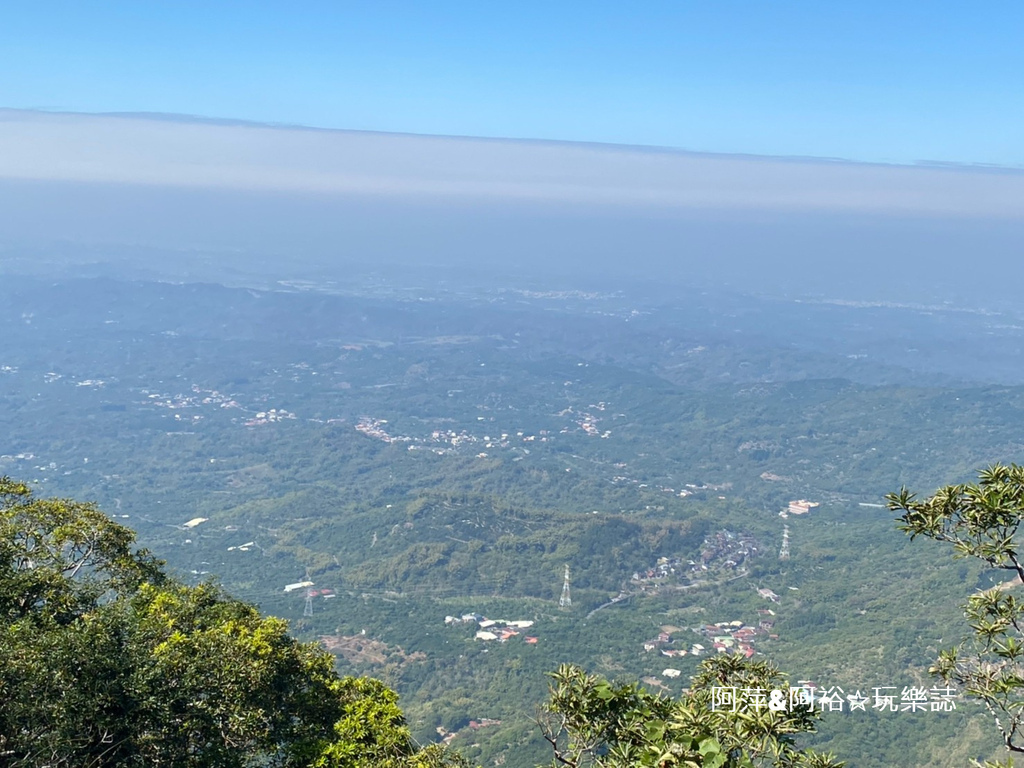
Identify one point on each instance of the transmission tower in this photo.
(308, 610)
(565, 601)
(784, 552)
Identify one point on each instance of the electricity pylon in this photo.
(565, 601)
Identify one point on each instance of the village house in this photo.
(802, 506)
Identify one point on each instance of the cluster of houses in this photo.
(211, 397)
(617, 479)
(663, 568)
(269, 417)
(375, 428)
(11, 457)
(17, 457)
(725, 637)
(441, 441)
(199, 397)
(588, 423)
(452, 438)
(665, 638)
(585, 420)
(504, 440)
(726, 550)
(491, 630)
(723, 550)
(737, 637)
(688, 489)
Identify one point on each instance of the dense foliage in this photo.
(589, 721)
(104, 661)
(982, 520)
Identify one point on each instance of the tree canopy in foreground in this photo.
(589, 721)
(982, 520)
(107, 661)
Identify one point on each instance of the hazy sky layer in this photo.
(173, 194)
(872, 80)
(254, 158)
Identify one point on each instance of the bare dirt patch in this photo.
(363, 650)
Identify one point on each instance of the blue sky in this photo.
(891, 82)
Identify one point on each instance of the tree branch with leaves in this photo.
(591, 722)
(981, 520)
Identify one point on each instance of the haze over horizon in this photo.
(323, 197)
